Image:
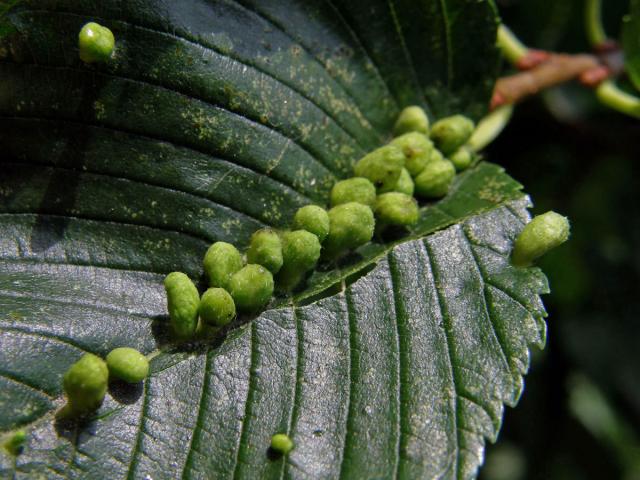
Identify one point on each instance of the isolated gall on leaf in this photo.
(281, 443)
(543, 233)
(127, 364)
(96, 43)
(266, 250)
(85, 384)
(313, 219)
(183, 301)
(251, 287)
(220, 262)
(382, 166)
(352, 225)
(434, 181)
(301, 251)
(217, 308)
(355, 189)
(451, 133)
(411, 119)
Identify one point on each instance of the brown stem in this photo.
(558, 68)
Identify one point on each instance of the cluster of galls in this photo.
(379, 195)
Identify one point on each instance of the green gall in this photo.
(436, 156)
(127, 364)
(356, 189)
(96, 43)
(281, 443)
(15, 443)
(352, 225)
(411, 119)
(382, 166)
(251, 287)
(220, 262)
(313, 219)
(266, 250)
(301, 251)
(183, 301)
(395, 208)
(451, 133)
(85, 384)
(405, 183)
(461, 158)
(217, 307)
(417, 150)
(540, 235)
(436, 178)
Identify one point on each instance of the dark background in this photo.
(579, 417)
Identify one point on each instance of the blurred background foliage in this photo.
(580, 415)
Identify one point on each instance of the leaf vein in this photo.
(41, 333)
(137, 446)
(140, 182)
(362, 46)
(316, 60)
(348, 433)
(195, 437)
(485, 303)
(446, 327)
(405, 49)
(121, 129)
(400, 311)
(248, 404)
(21, 381)
(277, 132)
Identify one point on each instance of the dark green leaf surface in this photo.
(214, 119)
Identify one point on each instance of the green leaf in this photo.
(214, 119)
(631, 42)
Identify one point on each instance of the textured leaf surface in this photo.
(213, 119)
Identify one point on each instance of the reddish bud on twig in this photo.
(497, 100)
(595, 76)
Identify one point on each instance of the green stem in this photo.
(593, 22)
(490, 127)
(512, 48)
(609, 94)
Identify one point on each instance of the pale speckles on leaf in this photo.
(207, 212)
(230, 225)
(296, 51)
(162, 244)
(491, 191)
(273, 209)
(236, 99)
(305, 130)
(202, 123)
